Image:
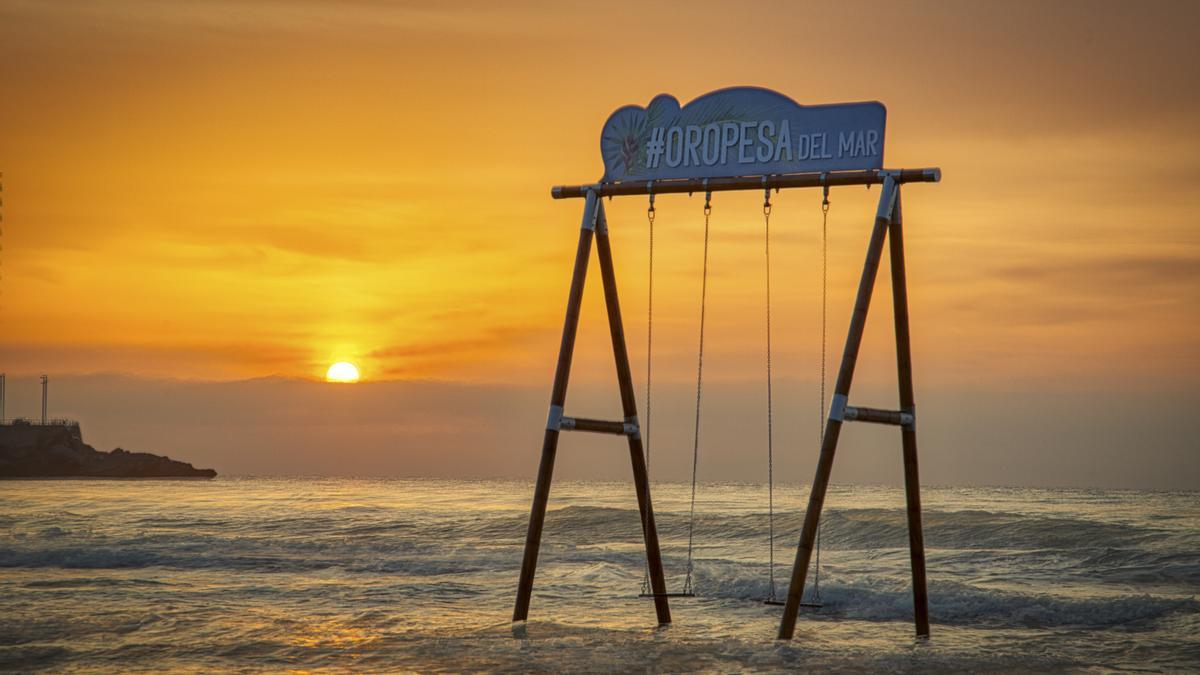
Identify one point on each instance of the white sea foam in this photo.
(382, 575)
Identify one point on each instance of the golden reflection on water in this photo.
(331, 634)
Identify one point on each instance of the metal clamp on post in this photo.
(554, 420)
(591, 210)
(837, 407)
(887, 202)
(631, 427)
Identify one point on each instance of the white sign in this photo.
(743, 131)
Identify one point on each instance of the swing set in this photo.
(651, 211)
(741, 138)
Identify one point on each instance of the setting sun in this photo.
(342, 372)
(993, 242)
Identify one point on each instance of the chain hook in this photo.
(650, 209)
(824, 193)
(707, 198)
(766, 197)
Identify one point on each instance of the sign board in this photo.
(740, 131)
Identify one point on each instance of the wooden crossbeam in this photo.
(598, 426)
(898, 418)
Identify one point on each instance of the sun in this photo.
(342, 371)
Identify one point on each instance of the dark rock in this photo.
(58, 451)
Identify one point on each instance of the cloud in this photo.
(1134, 274)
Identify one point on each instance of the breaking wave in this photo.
(299, 580)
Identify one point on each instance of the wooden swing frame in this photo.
(887, 226)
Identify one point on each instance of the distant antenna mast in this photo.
(45, 391)
(1, 398)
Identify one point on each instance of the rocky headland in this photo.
(30, 450)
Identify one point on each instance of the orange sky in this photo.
(227, 190)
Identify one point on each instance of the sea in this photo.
(262, 574)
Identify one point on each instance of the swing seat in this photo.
(682, 594)
(781, 603)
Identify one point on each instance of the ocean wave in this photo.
(986, 542)
(93, 582)
(248, 575)
(858, 528)
(886, 599)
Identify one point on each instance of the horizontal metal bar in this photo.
(772, 181)
(899, 418)
(597, 426)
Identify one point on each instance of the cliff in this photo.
(57, 451)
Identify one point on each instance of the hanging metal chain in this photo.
(650, 213)
(649, 359)
(824, 320)
(770, 404)
(824, 304)
(687, 583)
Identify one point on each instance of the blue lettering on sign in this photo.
(741, 131)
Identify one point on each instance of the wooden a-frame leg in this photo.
(558, 396)
(629, 405)
(908, 433)
(833, 426)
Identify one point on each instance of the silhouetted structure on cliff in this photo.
(56, 450)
